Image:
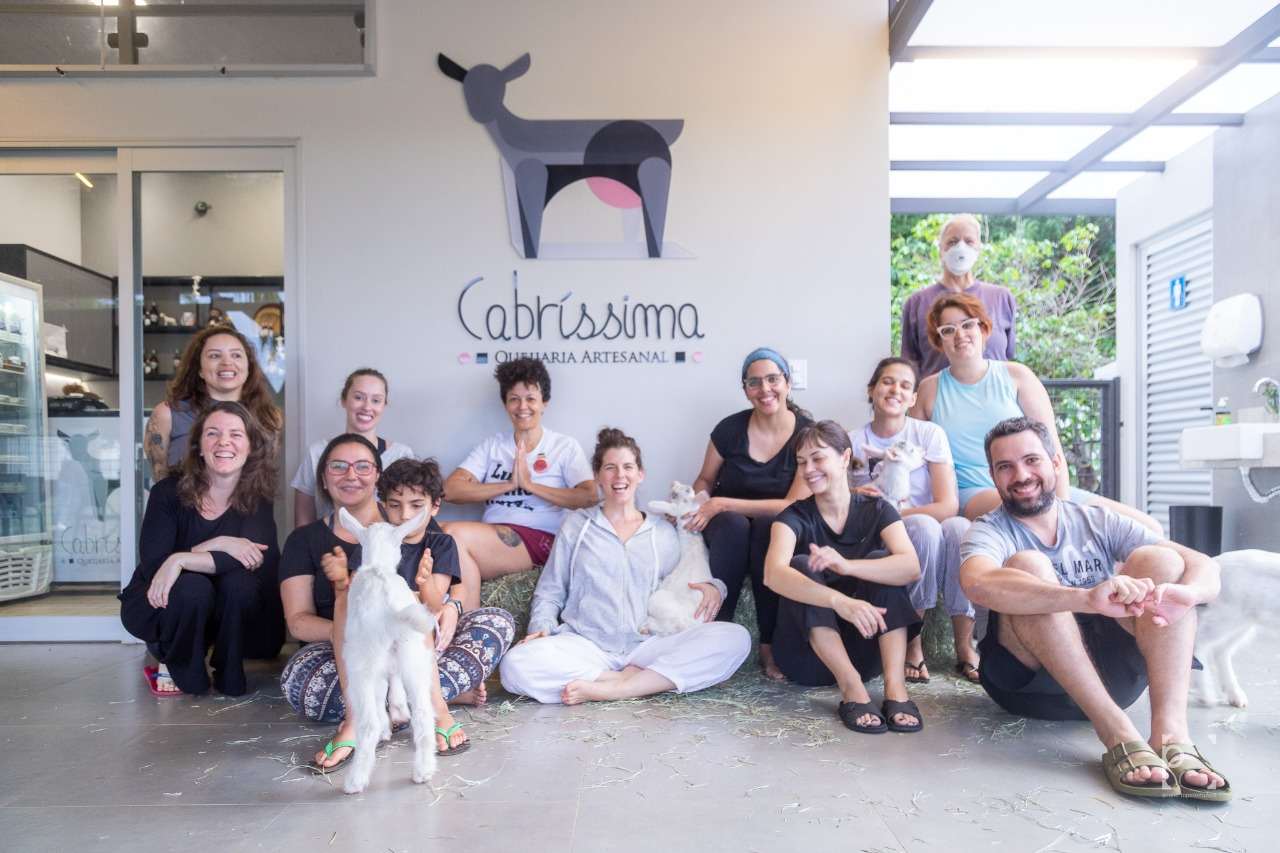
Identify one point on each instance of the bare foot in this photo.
(346, 731)
(457, 738)
(164, 681)
(474, 697)
(579, 691)
(767, 664)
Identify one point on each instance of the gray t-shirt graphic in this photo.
(1091, 541)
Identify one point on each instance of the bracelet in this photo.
(456, 603)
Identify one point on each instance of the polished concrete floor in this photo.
(92, 762)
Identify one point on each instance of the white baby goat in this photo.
(893, 475)
(385, 649)
(673, 603)
(1248, 602)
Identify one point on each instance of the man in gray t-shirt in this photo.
(1084, 607)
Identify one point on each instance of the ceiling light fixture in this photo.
(88, 183)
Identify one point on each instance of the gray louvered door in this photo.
(1177, 378)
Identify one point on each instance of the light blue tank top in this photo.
(968, 412)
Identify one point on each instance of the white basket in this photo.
(25, 571)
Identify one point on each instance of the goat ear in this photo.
(348, 521)
(517, 69)
(62, 434)
(411, 525)
(451, 68)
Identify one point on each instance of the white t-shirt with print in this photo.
(926, 435)
(305, 480)
(557, 461)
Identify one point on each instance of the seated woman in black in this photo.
(846, 611)
(208, 555)
(750, 472)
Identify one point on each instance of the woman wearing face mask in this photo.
(364, 398)
(959, 246)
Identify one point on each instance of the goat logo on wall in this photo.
(625, 163)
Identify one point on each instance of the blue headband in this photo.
(766, 353)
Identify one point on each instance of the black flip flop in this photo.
(849, 712)
(918, 666)
(892, 707)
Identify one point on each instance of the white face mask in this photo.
(960, 258)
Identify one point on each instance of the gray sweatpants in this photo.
(938, 547)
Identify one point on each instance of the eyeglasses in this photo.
(340, 467)
(773, 380)
(968, 325)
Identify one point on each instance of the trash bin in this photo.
(1198, 527)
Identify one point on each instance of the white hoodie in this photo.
(598, 587)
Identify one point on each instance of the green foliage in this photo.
(1061, 271)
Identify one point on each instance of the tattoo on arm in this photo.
(507, 535)
(156, 448)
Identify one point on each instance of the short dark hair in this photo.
(530, 371)
(422, 475)
(337, 441)
(1013, 426)
(611, 438)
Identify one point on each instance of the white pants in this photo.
(703, 655)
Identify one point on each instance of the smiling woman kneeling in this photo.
(584, 640)
(842, 563)
(207, 568)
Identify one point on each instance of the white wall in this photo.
(42, 211)
(780, 191)
(1144, 209)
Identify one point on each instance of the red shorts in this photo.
(537, 542)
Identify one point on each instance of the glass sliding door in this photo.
(60, 428)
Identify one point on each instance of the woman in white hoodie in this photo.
(584, 642)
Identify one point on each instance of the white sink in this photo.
(1251, 445)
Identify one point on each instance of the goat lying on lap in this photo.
(386, 651)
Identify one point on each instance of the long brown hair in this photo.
(257, 481)
(255, 394)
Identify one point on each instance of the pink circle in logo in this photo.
(697, 356)
(464, 358)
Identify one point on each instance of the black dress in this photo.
(737, 543)
(234, 610)
(860, 539)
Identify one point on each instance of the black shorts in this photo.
(1034, 693)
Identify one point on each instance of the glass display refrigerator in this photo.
(26, 546)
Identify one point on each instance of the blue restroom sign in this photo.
(1178, 293)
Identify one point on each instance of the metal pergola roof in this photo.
(1209, 63)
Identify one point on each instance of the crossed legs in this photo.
(486, 551)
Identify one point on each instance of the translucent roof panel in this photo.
(987, 85)
(1096, 184)
(1239, 90)
(961, 184)
(1150, 23)
(960, 142)
(1160, 143)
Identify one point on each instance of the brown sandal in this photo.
(968, 671)
(921, 673)
(1184, 758)
(1130, 756)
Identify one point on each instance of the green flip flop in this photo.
(329, 749)
(446, 734)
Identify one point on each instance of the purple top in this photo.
(915, 325)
